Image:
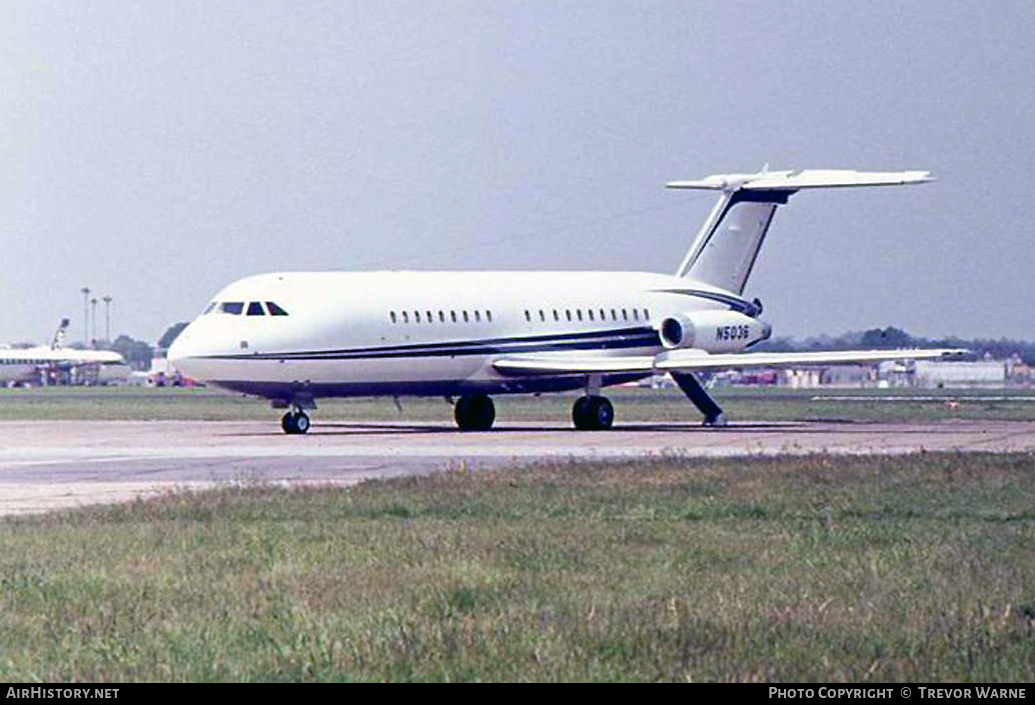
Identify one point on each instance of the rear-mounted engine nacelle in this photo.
(712, 331)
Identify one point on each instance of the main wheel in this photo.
(593, 414)
(474, 412)
(579, 413)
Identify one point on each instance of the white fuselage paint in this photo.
(339, 337)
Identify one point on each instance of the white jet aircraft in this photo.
(293, 337)
(21, 365)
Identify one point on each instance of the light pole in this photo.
(86, 315)
(93, 303)
(107, 318)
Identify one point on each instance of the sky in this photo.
(156, 151)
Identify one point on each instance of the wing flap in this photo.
(568, 364)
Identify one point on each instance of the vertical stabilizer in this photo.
(725, 249)
(59, 335)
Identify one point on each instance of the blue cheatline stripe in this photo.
(607, 340)
(494, 341)
(733, 302)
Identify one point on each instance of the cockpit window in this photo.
(275, 310)
(255, 309)
(234, 308)
(211, 306)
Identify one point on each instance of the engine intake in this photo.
(712, 331)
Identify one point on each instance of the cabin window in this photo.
(416, 316)
(234, 308)
(636, 314)
(567, 312)
(614, 315)
(466, 318)
(542, 315)
(406, 317)
(488, 316)
(646, 315)
(478, 316)
(528, 316)
(255, 309)
(431, 319)
(578, 312)
(603, 316)
(452, 314)
(441, 316)
(275, 310)
(625, 315)
(392, 316)
(590, 312)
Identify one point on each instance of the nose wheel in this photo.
(592, 413)
(295, 422)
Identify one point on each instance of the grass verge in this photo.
(631, 405)
(917, 568)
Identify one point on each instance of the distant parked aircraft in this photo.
(28, 365)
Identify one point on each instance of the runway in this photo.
(53, 464)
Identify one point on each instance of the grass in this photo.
(638, 405)
(907, 568)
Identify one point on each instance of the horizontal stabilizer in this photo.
(809, 178)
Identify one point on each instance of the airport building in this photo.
(921, 374)
(982, 373)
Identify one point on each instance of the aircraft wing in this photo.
(698, 361)
(690, 362)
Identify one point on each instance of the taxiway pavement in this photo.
(53, 464)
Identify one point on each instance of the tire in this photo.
(295, 423)
(602, 413)
(593, 414)
(580, 415)
(287, 422)
(474, 412)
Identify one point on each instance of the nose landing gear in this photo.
(295, 422)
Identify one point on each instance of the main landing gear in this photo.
(592, 413)
(474, 412)
(294, 422)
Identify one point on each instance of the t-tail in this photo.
(725, 249)
(59, 335)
